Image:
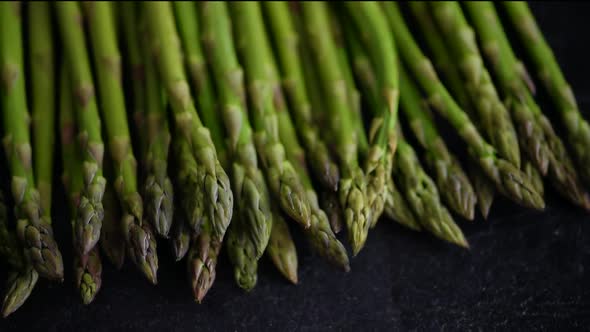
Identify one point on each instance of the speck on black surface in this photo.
(525, 270)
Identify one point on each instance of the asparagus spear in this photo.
(23, 277)
(550, 74)
(91, 212)
(423, 196)
(373, 29)
(281, 248)
(249, 234)
(213, 180)
(445, 64)
(205, 247)
(353, 187)
(154, 134)
(452, 181)
(254, 49)
(542, 144)
(483, 186)
(87, 266)
(329, 203)
(493, 116)
(287, 49)
(319, 234)
(107, 61)
(397, 208)
(112, 240)
(43, 98)
(441, 57)
(455, 187)
(201, 261)
(180, 235)
(353, 95)
(508, 178)
(33, 227)
(20, 285)
(189, 32)
(329, 200)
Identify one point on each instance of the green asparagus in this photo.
(353, 187)
(281, 248)
(423, 197)
(550, 74)
(152, 124)
(90, 211)
(493, 117)
(543, 145)
(43, 98)
(212, 178)
(372, 27)
(87, 266)
(397, 207)
(254, 50)
(319, 234)
(112, 240)
(452, 181)
(23, 277)
(287, 49)
(508, 179)
(34, 228)
(249, 234)
(107, 61)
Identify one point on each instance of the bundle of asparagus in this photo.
(249, 119)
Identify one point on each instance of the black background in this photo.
(525, 269)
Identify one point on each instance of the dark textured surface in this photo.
(525, 270)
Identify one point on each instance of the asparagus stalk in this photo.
(112, 240)
(555, 83)
(329, 200)
(180, 235)
(153, 128)
(23, 277)
(452, 181)
(454, 184)
(493, 116)
(329, 203)
(87, 266)
(287, 49)
(42, 98)
(484, 188)
(397, 208)
(353, 95)
(254, 50)
(441, 57)
(107, 61)
(445, 64)
(90, 212)
(423, 197)
(249, 234)
(353, 187)
(87, 272)
(189, 32)
(543, 146)
(33, 227)
(127, 28)
(212, 178)
(20, 285)
(205, 247)
(201, 262)
(319, 234)
(508, 178)
(373, 29)
(281, 248)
